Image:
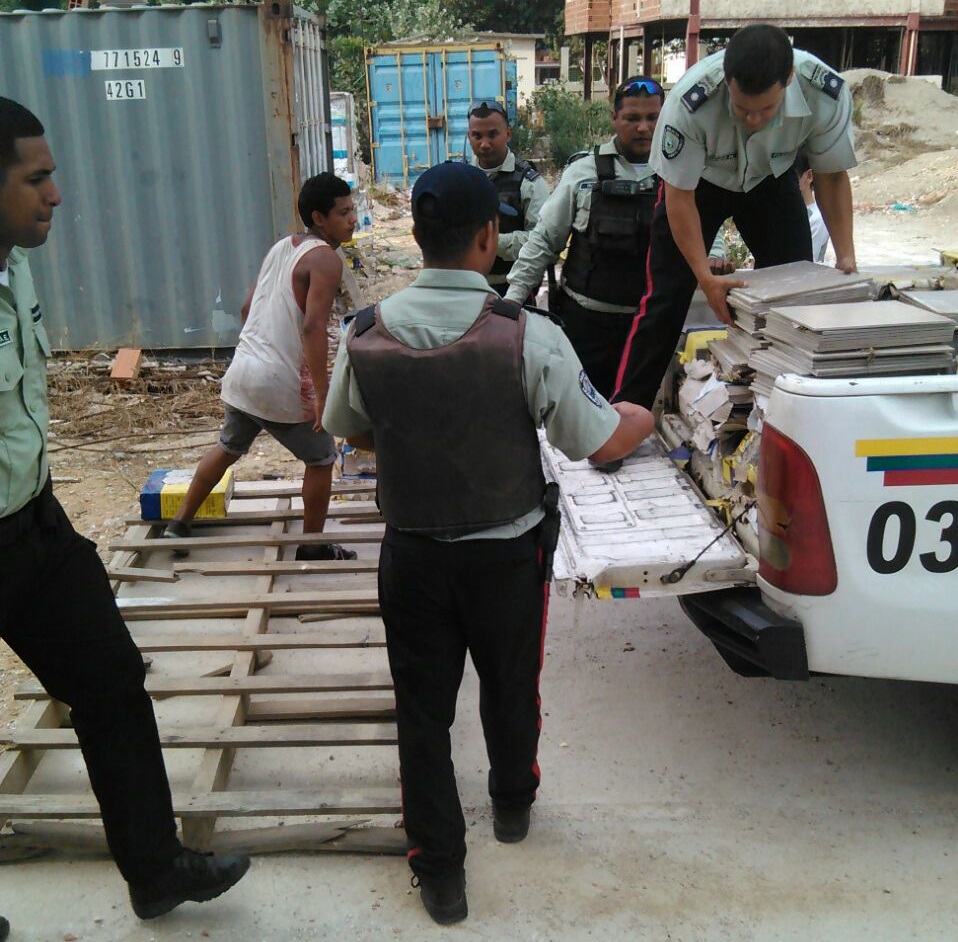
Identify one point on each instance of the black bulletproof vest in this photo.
(509, 186)
(607, 262)
(456, 448)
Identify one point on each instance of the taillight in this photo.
(794, 541)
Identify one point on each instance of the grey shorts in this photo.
(240, 430)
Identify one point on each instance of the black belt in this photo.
(36, 512)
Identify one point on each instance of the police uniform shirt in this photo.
(533, 194)
(24, 417)
(567, 209)
(436, 310)
(698, 137)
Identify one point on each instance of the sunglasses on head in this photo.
(649, 86)
(487, 106)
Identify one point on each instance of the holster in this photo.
(549, 529)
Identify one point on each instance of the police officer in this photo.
(724, 146)
(518, 182)
(57, 610)
(448, 382)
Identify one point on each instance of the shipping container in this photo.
(181, 136)
(419, 99)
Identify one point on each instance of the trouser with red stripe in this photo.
(440, 600)
(772, 220)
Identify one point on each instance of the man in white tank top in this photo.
(277, 381)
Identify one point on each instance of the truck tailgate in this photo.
(624, 534)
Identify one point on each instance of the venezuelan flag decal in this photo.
(911, 461)
(616, 593)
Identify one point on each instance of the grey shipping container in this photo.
(181, 136)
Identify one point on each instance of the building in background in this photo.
(910, 37)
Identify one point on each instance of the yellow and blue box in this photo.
(164, 492)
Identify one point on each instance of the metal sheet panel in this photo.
(419, 100)
(175, 132)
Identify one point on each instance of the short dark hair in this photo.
(637, 86)
(319, 194)
(758, 57)
(15, 122)
(442, 244)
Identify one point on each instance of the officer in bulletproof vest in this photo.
(518, 182)
(449, 382)
(605, 199)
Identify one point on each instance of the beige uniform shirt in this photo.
(533, 194)
(698, 137)
(437, 309)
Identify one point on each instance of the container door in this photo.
(436, 116)
(472, 75)
(311, 95)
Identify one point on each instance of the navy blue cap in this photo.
(456, 194)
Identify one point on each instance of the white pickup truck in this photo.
(855, 569)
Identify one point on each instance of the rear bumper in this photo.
(753, 640)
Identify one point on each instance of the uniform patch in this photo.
(5, 339)
(673, 141)
(588, 390)
(822, 77)
(35, 313)
(695, 97)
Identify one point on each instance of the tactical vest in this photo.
(607, 262)
(456, 447)
(509, 186)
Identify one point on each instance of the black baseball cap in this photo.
(456, 194)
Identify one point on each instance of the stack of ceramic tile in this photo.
(733, 351)
(938, 302)
(867, 338)
(794, 283)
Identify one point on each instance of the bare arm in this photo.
(834, 197)
(248, 303)
(636, 424)
(364, 441)
(686, 225)
(322, 271)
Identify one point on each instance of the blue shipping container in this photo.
(419, 101)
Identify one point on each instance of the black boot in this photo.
(444, 895)
(192, 876)
(315, 551)
(510, 823)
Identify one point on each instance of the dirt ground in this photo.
(106, 441)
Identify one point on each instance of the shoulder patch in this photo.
(673, 140)
(695, 97)
(5, 338)
(578, 155)
(588, 390)
(819, 75)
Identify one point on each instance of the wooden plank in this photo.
(126, 364)
(333, 611)
(255, 489)
(321, 708)
(232, 542)
(17, 768)
(136, 574)
(286, 567)
(286, 600)
(232, 804)
(233, 737)
(32, 837)
(266, 642)
(221, 686)
(245, 517)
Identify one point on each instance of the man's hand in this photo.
(720, 266)
(715, 290)
(847, 264)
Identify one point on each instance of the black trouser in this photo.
(772, 220)
(58, 613)
(598, 338)
(439, 600)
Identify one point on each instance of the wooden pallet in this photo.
(251, 654)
